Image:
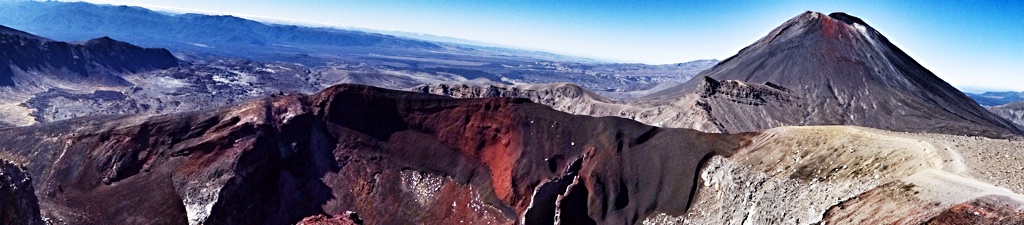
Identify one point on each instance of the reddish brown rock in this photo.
(395, 157)
(350, 218)
(902, 203)
(984, 210)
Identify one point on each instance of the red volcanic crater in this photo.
(393, 157)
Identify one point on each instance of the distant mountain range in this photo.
(227, 35)
(55, 80)
(402, 62)
(996, 98)
(32, 60)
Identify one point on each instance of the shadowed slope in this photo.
(18, 202)
(27, 58)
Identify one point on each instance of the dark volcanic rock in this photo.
(18, 203)
(572, 206)
(395, 157)
(828, 70)
(184, 88)
(94, 61)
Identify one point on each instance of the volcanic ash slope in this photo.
(818, 69)
(854, 175)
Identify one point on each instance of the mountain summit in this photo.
(818, 69)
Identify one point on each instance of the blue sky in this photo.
(971, 44)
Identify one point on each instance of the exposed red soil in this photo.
(326, 220)
(895, 203)
(984, 210)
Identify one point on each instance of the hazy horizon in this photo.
(971, 45)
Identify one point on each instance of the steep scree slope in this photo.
(842, 71)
